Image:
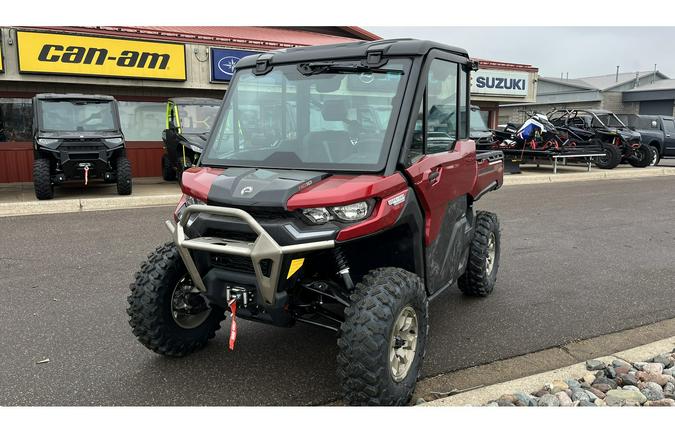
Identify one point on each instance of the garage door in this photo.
(662, 107)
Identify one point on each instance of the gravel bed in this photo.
(617, 384)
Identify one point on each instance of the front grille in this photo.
(240, 264)
(232, 235)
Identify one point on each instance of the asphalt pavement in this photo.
(578, 260)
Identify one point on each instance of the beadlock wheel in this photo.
(183, 304)
(403, 343)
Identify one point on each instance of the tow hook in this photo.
(232, 296)
(86, 175)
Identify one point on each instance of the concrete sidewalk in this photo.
(19, 199)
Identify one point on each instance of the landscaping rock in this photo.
(622, 370)
(611, 372)
(667, 360)
(663, 402)
(597, 393)
(523, 399)
(563, 399)
(580, 395)
(669, 387)
(651, 377)
(541, 392)
(594, 365)
(628, 379)
(504, 403)
(600, 402)
(653, 368)
(592, 396)
(589, 378)
(652, 391)
(624, 397)
(631, 388)
(507, 397)
(548, 400)
(557, 386)
(585, 403)
(602, 387)
(640, 365)
(573, 383)
(617, 363)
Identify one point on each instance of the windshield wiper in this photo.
(314, 68)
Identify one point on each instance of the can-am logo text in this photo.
(500, 83)
(99, 56)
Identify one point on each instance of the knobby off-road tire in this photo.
(611, 159)
(42, 179)
(123, 167)
(481, 272)
(641, 157)
(168, 173)
(366, 338)
(150, 307)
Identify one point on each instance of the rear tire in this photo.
(481, 271)
(611, 159)
(641, 157)
(656, 156)
(383, 338)
(42, 179)
(151, 306)
(168, 173)
(123, 168)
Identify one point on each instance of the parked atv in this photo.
(325, 222)
(77, 137)
(189, 121)
(620, 142)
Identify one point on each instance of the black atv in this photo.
(621, 143)
(77, 137)
(189, 122)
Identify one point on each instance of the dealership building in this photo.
(645, 92)
(142, 67)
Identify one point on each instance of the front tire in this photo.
(611, 159)
(383, 338)
(641, 157)
(168, 173)
(481, 272)
(42, 179)
(123, 167)
(154, 305)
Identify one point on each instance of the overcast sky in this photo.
(581, 51)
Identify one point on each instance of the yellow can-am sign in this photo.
(62, 54)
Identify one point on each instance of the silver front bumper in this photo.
(264, 247)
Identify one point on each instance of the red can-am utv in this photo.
(336, 189)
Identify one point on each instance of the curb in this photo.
(481, 396)
(13, 209)
(615, 174)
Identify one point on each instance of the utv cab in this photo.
(337, 189)
(77, 137)
(188, 123)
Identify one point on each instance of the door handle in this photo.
(434, 176)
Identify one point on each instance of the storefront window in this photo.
(16, 119)
(142, 121)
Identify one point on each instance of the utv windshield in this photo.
(312, 116)
(197, 118)
(76, 116)
(477, 123)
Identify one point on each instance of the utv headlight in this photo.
(346, 213)
(113, 142)
(183, 206)
(351, 212)
(317, 215)
(49, 143)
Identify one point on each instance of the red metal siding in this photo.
(16, 160)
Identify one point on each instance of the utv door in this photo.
(443, 170)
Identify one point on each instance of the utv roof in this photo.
(389, 48)
(74, 97)
(195, 100)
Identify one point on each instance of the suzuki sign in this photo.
(499, 83)
(223, 62)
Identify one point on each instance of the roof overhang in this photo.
(649, 95)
